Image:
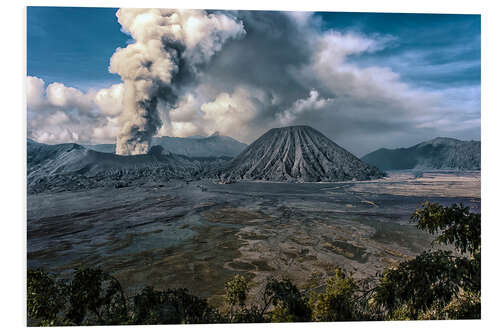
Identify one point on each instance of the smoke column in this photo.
(170, 45)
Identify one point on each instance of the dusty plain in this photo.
(198, 234)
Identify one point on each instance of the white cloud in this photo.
(58, 113)
(106, 132)
(346, 99)
(204, 111)
(184, 129)
(312, 103)
(233, 114)
(58, 118)
(371, 102)
(60, 96)
(302, 18)
(110, 100)
(35, 92)
(187, 110)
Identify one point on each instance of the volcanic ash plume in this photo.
(170, 45)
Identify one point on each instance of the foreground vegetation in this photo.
(435, 285)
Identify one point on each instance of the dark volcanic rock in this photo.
(297, 153)
(436, 154)
(72, 167)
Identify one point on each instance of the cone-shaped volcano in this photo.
(297, 153)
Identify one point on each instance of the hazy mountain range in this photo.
(288, 154)
(439, 154)
(214, 145)
(70, 166)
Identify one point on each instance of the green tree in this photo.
(289, 303)
(438, 284)
(455, 225)
(235, 297)
(171, 306)
(236, 290)
(45, 298)
(338, 302)
(96, 298)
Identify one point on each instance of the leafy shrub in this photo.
(96, 298)
(171, 306)
(337, 303)
(236, 290)
(289, 303)
(45, 298)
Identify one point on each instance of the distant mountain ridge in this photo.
(437, 154)
(297, 153)
(214, 145)
(70, 166)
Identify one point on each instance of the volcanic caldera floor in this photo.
(199, 234)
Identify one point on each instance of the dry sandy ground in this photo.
(198, 235)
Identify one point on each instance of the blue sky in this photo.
(366, 80)
(445, 49)
(74, 45)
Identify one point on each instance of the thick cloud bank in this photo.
(287, 71)
(57, 113)
(242, 73)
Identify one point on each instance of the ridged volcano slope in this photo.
(297, 153)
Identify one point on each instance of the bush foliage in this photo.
(434, 285)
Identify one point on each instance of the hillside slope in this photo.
(436, 154)
(71, 166)
(297, 153)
